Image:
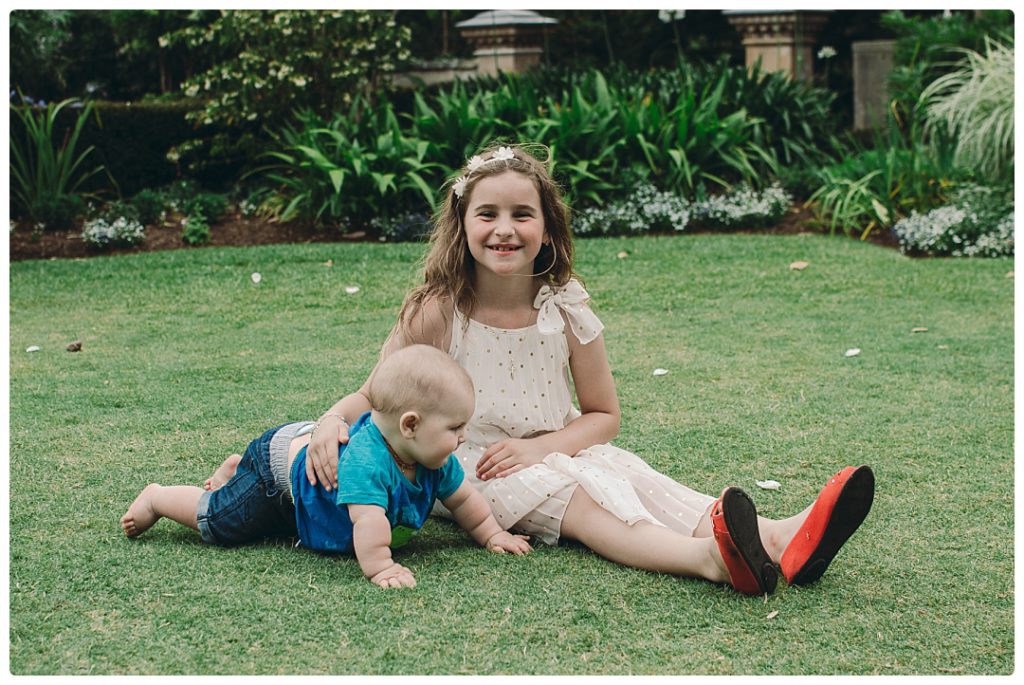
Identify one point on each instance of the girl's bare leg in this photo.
(224, 473)
(641, 545)
(775, 534)
(176, 502)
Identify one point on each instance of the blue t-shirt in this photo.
(367, 475)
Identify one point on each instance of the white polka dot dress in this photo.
(522, 386)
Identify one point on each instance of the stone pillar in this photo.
(872, 62)
(781, 40)
(506, 40)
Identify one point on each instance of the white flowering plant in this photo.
(743, 207)
(977, 222)
(104, 232)
(645, 209)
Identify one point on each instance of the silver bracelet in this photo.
(316, 425)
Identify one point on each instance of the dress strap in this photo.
(571, 299)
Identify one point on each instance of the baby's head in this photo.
(450, 253)
(421, 400)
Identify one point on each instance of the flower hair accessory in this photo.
(474, 163)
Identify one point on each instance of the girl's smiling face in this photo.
(505, 223)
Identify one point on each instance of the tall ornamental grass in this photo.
(974, 105)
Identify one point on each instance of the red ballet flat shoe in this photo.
(734, 522)
(841, 507)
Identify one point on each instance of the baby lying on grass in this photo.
(397, 462)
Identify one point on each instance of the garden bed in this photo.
(239, 231)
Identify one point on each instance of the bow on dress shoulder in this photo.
(571, 299)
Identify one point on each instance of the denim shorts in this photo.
(250, 507)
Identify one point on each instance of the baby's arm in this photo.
(371, 535)
(472, 513)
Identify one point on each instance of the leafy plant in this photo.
(150, 206)
(45, 162)
(210, 206)
(272, 63)
(195, 229)
(357, 167)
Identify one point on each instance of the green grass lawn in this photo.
(185, 359)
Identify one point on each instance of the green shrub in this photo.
(269, 64)
(150, 206)
(406, 227)
(211, 206)
(57, 212)
(358, 166)
(195, 230)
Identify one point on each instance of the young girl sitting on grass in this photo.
(501, 298)
(395, 466)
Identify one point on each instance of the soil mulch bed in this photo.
(238, 231)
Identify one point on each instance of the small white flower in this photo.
(474, 163)
(459, 186)
(503, 153)
(256, 277)
(827, 52)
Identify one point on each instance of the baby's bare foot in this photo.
(224, 473)
(140, 516)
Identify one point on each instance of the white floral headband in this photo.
(474, 163)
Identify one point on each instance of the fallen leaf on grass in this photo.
(768, 484)
(660, 372)
(853, 352)
(622, 255)
(32, 348)
(799, 266)
(74, 346)
(772, 615)
(919, 329)
(329, 262)
(1009, 274)
(943, 347)
(352, 289)
(256, 277)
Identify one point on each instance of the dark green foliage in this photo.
(150, 206)
(132, 142)
(211, 206)
(57, 212)
(407, 227)
(196, 230)
(48, 160)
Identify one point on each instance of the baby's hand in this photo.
(394, 576)
(507, 542)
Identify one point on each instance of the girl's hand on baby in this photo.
(394, 576)
(508, 456)
(322, 453)
(507, 542)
